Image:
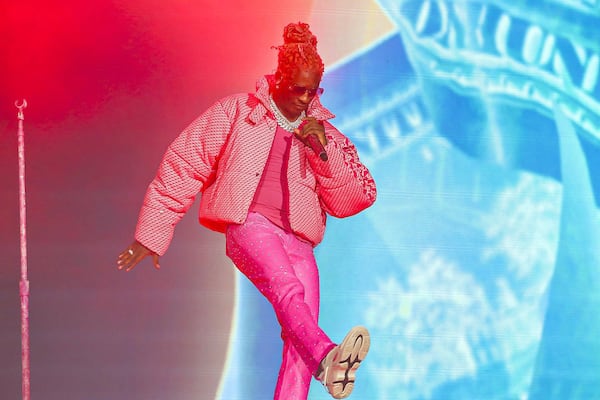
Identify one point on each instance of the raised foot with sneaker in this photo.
(337, 371)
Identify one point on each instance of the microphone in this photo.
(315, 144)
(317, 147)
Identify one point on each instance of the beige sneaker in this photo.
(337, 371)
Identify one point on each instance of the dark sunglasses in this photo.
(300, 90)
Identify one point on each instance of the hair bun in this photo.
(299, 33)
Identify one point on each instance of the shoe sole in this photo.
(353, 351)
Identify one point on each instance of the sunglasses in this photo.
(301, 90)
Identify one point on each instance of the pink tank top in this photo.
(272, 194)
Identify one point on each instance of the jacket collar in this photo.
(315, 108)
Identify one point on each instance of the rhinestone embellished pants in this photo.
(284, 270)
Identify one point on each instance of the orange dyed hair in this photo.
(299, 50)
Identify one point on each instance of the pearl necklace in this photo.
(282, 121)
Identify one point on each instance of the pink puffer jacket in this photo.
(222, 154)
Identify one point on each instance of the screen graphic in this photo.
(477, 271)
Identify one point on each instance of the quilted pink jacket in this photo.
(222, 155)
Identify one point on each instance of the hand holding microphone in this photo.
(309, 132)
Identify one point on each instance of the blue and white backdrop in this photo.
(477, 270)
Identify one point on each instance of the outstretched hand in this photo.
(133, 254)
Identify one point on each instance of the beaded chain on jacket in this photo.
(282, 121)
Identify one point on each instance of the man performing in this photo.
(268, 186)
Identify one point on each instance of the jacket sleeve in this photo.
(187, 167)
(344, 185)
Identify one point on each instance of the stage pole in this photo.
(24, 284)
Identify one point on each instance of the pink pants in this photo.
(284, 270)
